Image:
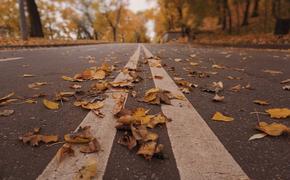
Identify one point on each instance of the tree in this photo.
(246, 13)
(34, 18)
(256, 8)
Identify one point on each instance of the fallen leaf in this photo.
(28, 75)
(133, 93)
(236, 88)
(65, 150)
(50, 104)
(177, 60)
(7, 97)
(82, 135)
(261, 102)
(147, 149)
(99, 75)
(91, 147)
(194, 64)
(6, 112)
(273, 129)
(119, 103)
(30, 101)
(36, 85)
(88, 171)
(285, 81)
(100, 86)
(76, 86)
(287, 88)
(34, 138)
(218, 98)
(279, 113)
(128, 141)
(93, 106)
(272, 72)
(157, 119)
(66, 78)
(220, 117)
(257, 136)
(216, 66)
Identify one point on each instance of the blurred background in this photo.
(202, 21)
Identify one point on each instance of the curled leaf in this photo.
(50, 104)
(273, 129)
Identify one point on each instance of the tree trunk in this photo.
(114, 30)
(230, 19)
(237, 9)
(22, 20)
(34, 17)
(224, 17)
(246, 14)
(256, 9)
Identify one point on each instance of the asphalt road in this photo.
(266, 158)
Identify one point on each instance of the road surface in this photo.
(196, 147)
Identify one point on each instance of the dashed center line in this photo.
(197, 151)
(10, 59)
(102, 128)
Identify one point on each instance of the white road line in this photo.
(10, 59)
(197, 151)
(102, 128)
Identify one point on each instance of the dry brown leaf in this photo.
(285, 81)
(6, 112)
(119, 103)
(287, 88)
(147, 149)
(157, 119)
(7, 97)
(216, 66)
(236, 88)
(34, 139)
(82, 135)
(93, 106)
(75, 86)
(157, 96)
(28, 75)
(122, 84)
(261, 102)
(272, 72)
(279, 113)
(218, 98)
(128, 141)
(36, 85)
(99, 75)
(273, 129)
(88, 171)
(91, 147)
(50, 104)
(100, 86)
(220, 117)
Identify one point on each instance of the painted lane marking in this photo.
(197, 151)
(10, 59)
(102, 128)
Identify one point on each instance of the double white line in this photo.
(197, 151)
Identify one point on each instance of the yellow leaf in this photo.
(274, 129)
(220, 117)
(50, 105)
(64, 151)
(279, 113)
(147, 149)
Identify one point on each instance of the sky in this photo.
(140, 5)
